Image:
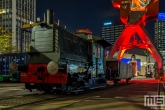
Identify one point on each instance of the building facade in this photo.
(160, 34)
(112, 30)
(14, 13)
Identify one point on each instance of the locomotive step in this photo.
(75, 91)
(98, 87)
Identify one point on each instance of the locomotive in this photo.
(62, 61)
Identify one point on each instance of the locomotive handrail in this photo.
(75, 60)
(78, 60)
(56, 44)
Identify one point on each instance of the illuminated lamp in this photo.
(87, 31)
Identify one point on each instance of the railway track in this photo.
(23, 100)
(18, 101)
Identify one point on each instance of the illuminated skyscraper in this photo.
(160, 34)
(14, 13)
(112, 30)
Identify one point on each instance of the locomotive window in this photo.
(68, 46)
(75, 45)
(76, 48)
(98, 51)
(84, 48)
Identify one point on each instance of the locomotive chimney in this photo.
(50, 17)
(45, 18)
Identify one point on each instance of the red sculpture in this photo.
(134, 14)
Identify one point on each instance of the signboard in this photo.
(161, 16)
(154, 101)
(109, 23)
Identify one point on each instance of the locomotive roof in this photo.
(96, 39)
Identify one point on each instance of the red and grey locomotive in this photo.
(63, 61)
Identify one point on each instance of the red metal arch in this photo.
(135, 17)
(123, 43)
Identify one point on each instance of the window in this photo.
(7, 10)
(98, 51)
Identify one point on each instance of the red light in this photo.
(118, 6)
(121, 54)
(84, 31)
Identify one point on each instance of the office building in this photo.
(14, 13)
(160, 33)
(112, 30)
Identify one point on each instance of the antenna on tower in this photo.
(58, 22)
(44, 17)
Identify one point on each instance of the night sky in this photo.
(91, 14)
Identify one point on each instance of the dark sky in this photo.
(91, 14)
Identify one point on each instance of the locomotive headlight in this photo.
(52, 67)
(13, 67)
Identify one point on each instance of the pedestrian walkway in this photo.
(142, 78)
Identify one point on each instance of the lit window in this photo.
(98, 51)
(7, 10)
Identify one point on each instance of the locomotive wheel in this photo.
(58, 92)
(29, 86)
(47, 88)
(127, 80)
(115, 82)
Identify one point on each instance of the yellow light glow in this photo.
(121, 54)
